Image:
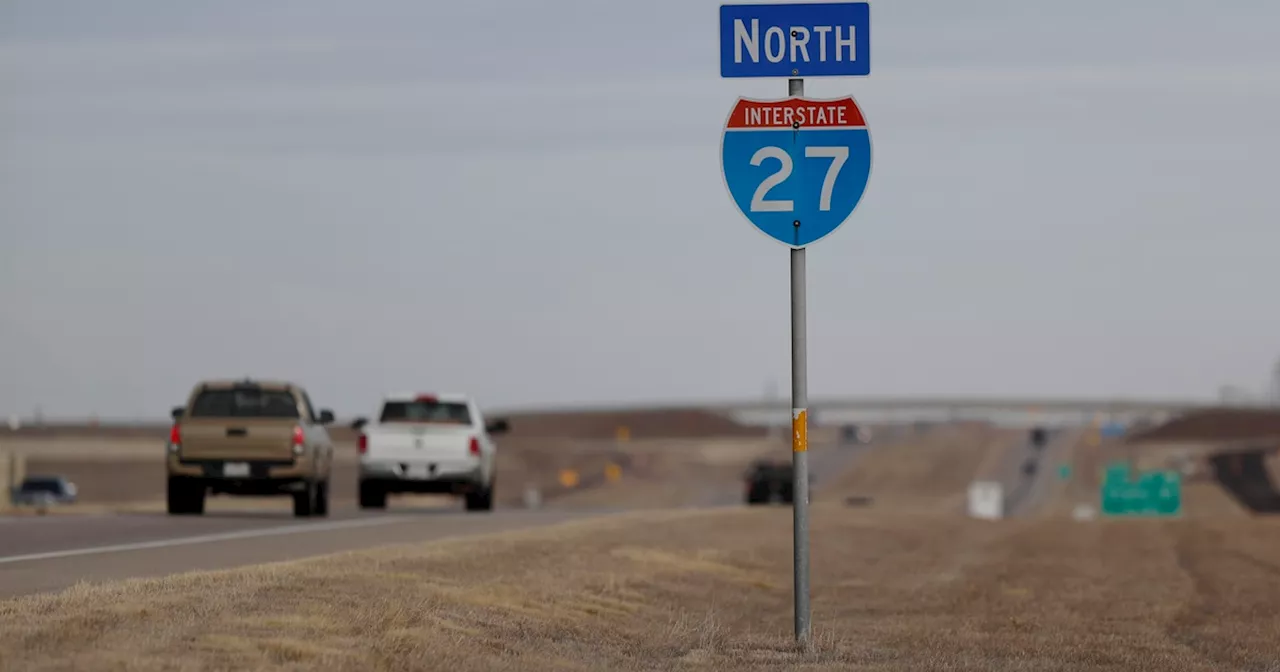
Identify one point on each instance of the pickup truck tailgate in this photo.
(237, 438)
(411, 442)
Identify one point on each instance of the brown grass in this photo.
(121, 465)
(1217, 425)
(88, 449)
(580, 424)
(1202, 497)
(905, 585)
(673, 473)
(117, 474)
(929, 472)
(702, 591)
(128, 475)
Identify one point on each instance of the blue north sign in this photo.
(829, 39)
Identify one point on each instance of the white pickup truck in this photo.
(428, 443)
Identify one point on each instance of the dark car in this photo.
(1039, 437)
(44, 490)
(767, 481)
(855, 435)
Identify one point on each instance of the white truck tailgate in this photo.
(419, 443)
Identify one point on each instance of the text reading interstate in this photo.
(795, 113)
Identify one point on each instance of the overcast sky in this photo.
(523, 200)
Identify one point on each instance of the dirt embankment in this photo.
(658, 424)
(124, 465)
(1215, 425)
(126, 478)
(1238, 449)
(585, 425)
(1203, 496)
(929, 471)
(679, 472)
(702, 591)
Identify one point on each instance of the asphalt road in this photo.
(40, 554)
(56, 552)
(1025, 493)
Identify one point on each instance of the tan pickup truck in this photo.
(249, 438)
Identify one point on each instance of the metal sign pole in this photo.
(799, 427)
(797, 137)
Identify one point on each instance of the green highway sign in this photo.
(1140, 493)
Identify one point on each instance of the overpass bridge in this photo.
(1006, 411)
(1010, 411)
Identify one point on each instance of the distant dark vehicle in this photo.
(1039, 437)
(44, 490)
(1029, 467)
(768, 480)
(855, 435)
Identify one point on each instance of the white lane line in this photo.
(208, 538)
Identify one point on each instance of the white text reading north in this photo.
(796, 40)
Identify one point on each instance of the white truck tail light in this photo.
(474, 448)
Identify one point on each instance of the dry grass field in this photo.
(702, 591)
(124, 474)
(907, 583)
(124, 471)
(675, 473)
(121, 468)
(1202, 496)
(926, 472)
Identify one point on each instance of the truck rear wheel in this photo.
(372, 496)
(184, 497)
(304, 502)
(480, 500)
(322, 498)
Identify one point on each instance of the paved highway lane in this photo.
(831, 461)
(1046, 480)
(39, 554)
(1026, 493)
(44, 554)
(50, 534)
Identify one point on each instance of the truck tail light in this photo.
(299, 440)
(475, 446)
(175, 438)
(362, 444)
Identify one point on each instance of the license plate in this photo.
(417, 471)
(235, 469)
